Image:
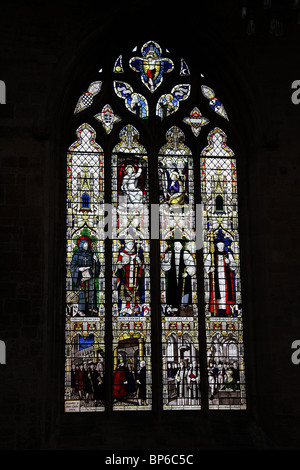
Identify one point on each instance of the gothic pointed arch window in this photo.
(152, 233)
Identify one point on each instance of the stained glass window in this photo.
(222, 279)
(152, 286)
(179, 312)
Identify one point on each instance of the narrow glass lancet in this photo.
(131, 274)
(221, 257)
(179, 312)
(85, 282)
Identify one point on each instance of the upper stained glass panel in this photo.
(196, 121)
(169, 102)
(107, 117)
(179, 311)
(87, 98)
(151, 65)
(134, 102)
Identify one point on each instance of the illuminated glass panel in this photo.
(108, 118)
(134, 102)
(151, 65)
(118, 67)
(131, 274)
(169, 102)
(221, 255)
(87, 98)
(214, 102)
(85, 282)
(179, 311)
(184, 70)
(181, 285)
(196, 121)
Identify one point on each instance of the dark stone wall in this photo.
(45, 50)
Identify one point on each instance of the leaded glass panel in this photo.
(179, 311)
(131, 274)
(132, 112)
(85, 281)
(222, 280)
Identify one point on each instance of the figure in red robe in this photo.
(130, 279)
(80, 380)
(119, 382)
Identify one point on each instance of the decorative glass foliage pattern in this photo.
(131, 274)
(223, 311)
(85, 282)
(179, 312)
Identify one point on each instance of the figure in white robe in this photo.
(130, 185)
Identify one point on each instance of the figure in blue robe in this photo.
(85, 268)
